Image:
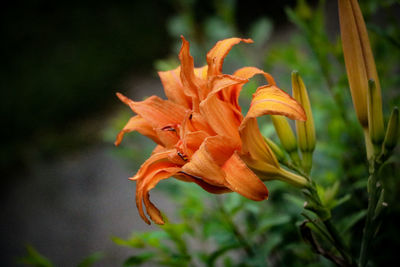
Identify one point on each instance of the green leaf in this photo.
(134, 242)
(221, 251)
(138, 259)
(349, 221)
(34, 258)
(91, 259)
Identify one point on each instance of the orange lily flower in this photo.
(201, 133)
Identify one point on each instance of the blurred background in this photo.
(65, 188)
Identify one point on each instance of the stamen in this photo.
(183, 156)
(168, 128)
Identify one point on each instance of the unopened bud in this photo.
(358, 57)
(279, 153)
(392, 133)
(286, 136)
(305, 129)
(375, 117)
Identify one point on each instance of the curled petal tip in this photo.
(123, 98)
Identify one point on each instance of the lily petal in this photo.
(139, 124)
(242, 180)
(207, 160)
(156, 111)
(254, 145)
(270, 100)
(192, 84)
(173, 87)
(201, 72)
(206, 186)
(162, 171)
(221, 117)
(216, 56)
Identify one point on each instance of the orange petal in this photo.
(148, 165)
(216, 56)
(161, 171)
(192, 84)
(156, 111)
(139, 124)
(205, 162)
(206, 186)
(192, 141)
(221, 117)
(249, 72)
(201, 72)
(271, 100)
(253, 143)
(242, 180)
(168, 136)
(222, 83)
(173, 87)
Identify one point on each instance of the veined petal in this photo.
(162, 171)
(242, 180)
(192, 84)
(201, 72)
(206, 186)
(168, 136)
(192, 141)
(249, 72)
(271, 100)
(156, 111)
(216, 56)
(150, 164)
(223, 83)
(173, 87)
(232, 94)
(253, 144)
(139, 124)
(207, 160)
(221, 117)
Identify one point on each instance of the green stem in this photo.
(240, 238)
(324, 215)
(370, 225)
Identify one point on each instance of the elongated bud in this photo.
(392, 133)
(305, 129)
(279, 153)
(375, 118)
(286, 136)
(358, 57)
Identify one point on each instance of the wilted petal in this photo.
(216, 56)
(156, 111)
(139, 124)
(242, 180)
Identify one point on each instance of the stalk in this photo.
(374, 191)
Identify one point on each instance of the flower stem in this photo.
(374, 191)
(315, 205)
